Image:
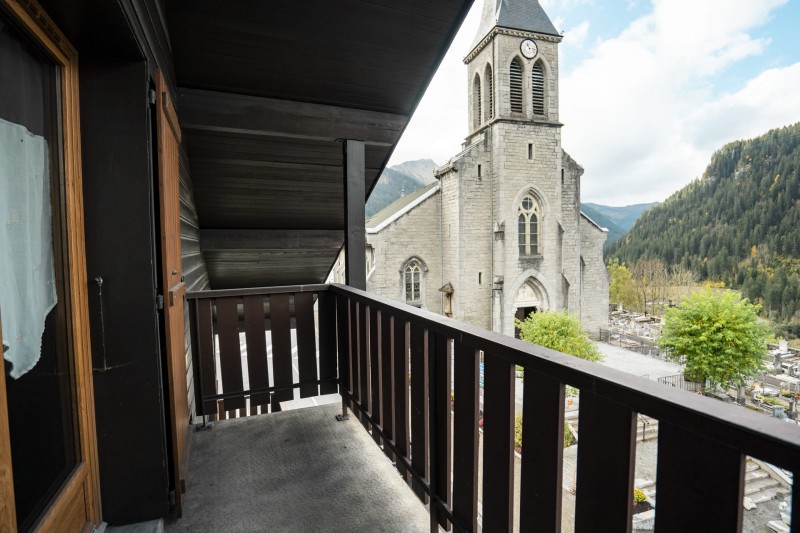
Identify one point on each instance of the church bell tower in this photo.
(513, 65)
(516, 191)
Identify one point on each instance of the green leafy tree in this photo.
(620, 289)
(718, 334)
(558, 331)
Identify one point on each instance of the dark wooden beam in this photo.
(236, 113)
(304, 167)
(354, 200)
(267, 239)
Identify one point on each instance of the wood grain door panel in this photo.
(168, 139)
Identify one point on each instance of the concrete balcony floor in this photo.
(295, 471)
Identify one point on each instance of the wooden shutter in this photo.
(169, 137)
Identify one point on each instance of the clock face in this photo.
(528, 48)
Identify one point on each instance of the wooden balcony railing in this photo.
(219, 320)
(397, 366)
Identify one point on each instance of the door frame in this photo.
(76, 506)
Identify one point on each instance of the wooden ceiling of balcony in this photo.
(265, 90)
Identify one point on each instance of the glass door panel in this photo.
(34, 291)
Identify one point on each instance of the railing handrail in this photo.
(754, 434)
(253, 291)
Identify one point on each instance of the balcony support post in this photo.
(354, 200)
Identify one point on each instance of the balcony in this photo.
(395, 367)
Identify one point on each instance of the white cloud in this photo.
(439, 124)
(640, 111)
(768, 101)
(550, 5)
(576, 36)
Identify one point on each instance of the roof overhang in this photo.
(265, 93)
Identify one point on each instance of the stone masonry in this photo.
(464, 230)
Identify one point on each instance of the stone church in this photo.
(500, 233)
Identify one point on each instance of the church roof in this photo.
(399, 207)
(593, 223)
(525, 15)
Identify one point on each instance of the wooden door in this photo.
(8, 515)
(71, 501)
(169, 137)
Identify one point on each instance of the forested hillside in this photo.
(739, 224)
(617, 220)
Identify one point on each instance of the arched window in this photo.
(489, 93)
(515, 72)
(412, 281)
(476, 101)
(537, 88)
(528, 226)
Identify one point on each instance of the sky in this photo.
(648, 89)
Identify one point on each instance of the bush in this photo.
(558, 331)
(569, 440)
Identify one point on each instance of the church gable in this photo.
(400, 207)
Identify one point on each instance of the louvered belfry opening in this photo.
(537, 88)
(476, 95)
(489, 93)
(515, 72)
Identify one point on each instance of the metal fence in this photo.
(634, 343)
(680, 382)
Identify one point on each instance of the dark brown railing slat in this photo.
(375, 371)
(439, 424)
(498, 445)
(230, 355)
(796, 501)
(255, 335)
(326, 315)
(542, 453)
(699, 482)
(363, 362)
(343, 343)
(419, 408)
(354, 359)
(205, 353)
(306, 343)
(606, 453)
(401, 392)
(281, 348)
(465, 436)
(353, 353)
(387, 367)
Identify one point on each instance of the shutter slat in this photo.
(515, 72)
(537, 89)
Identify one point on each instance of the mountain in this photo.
(618, 220)
(399, 180)
(739, 223)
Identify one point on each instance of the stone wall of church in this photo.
(571, 244)
(414, 234)
(517, 174)
(467, 238)
(594, 314)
